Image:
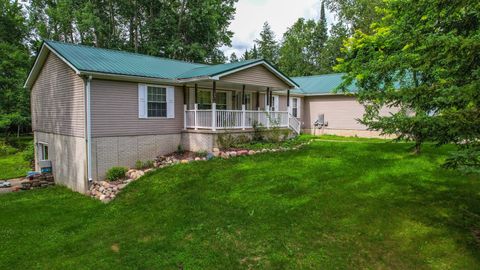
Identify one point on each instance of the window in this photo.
(156, 101)
(43, 151)
(204, 100)
(248, 101)
(221, 100)
(295, 107)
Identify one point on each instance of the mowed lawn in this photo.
(13, 163)
(331, 205)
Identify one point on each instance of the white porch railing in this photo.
(238, 119)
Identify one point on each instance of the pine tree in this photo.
(233, 58)
(246, 55)
(254, 52)
(319, 41)
(267, 45)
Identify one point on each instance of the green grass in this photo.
(12, 163)
(328, 206)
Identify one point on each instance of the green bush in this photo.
(116, 173)
(29, 153)
(148, 164)
(257, 131)
(180, 149)
(226, 140)
(201, 154)
(3, 149)
(140, 165)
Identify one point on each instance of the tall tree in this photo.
(254, 52)
(267, 45)
(191, 30)
(422, 58)
(233, 57)
(246, 55)
(14, 63)
(357, 14)
(319, 41)
(297, 55)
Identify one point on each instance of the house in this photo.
(93, 108)
(338, 111)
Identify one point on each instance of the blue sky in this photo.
(280, 14)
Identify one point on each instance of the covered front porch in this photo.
(218, 105)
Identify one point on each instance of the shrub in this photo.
(180, 149)
(257, 131)
(3, 149)
(226, 140)
(29, 153)
(116, 173)
(148, 164)
(201, 154)
(140, 165)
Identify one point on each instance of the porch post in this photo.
(243, 116)
(267, 99)
(184, 107)
(267, 109)
(184, 94)
(271, 99)
(214, 106)
(258, 100)
(196, 93)
(184, 116)
(243, 95)
(288, 101)
(195, 108)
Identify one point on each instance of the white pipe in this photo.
(89, 131)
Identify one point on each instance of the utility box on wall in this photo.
(45, 166)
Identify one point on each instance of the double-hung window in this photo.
(204, 100)
(221, 100)
(156, 101)
(43, 151)
(295, 107)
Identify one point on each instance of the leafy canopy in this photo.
(423, 58)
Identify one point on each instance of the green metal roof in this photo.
(92, 59)
(216, 69)
(319, 84)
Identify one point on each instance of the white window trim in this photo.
(41, 151)
(145, 101)
(297, 107)
(275, 100)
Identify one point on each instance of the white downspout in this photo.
(89, 130)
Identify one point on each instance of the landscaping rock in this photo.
(107, 191)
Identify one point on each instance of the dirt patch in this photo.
(476, 235)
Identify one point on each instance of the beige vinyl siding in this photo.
(257, 75)
(341, 112)
(57, 97)
(115, 111)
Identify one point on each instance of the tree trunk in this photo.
(417, 148)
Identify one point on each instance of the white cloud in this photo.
(280, 14)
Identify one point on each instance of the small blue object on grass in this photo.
(210, 156)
